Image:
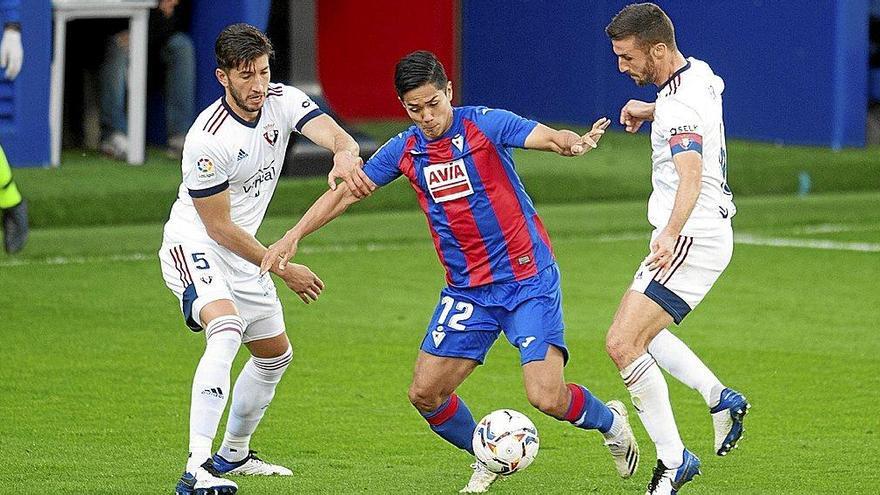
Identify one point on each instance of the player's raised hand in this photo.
(303, 281)
(279, 253)
(349, 168)
(635, 113)
(662, 250)
(590, 140)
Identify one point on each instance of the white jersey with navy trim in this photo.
(688, 118)
(223, 151)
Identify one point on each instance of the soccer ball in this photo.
(505, 441)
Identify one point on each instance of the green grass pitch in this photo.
(96, 361)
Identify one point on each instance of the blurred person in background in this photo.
(13, 206)
(169, 47)
(873, 135)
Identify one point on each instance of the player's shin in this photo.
(454, 423)
(254, 390)
(211, 386)
(587, 412)
(650, 396)
(679, 360)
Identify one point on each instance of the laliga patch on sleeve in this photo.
(205, 168)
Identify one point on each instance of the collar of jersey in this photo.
(674, 75)
(240, 120)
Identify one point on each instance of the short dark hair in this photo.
(646, 21)
(240, 44)
(416, 69)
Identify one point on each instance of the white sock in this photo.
(211, 386)
(253, 392)
(616, 427)
(650, 396)
(679, 360)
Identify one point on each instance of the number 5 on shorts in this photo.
(465, 310)
(200, 261)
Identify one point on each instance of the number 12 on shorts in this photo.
(464, 311)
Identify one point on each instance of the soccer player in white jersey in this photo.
(210, 259)
(690, 208)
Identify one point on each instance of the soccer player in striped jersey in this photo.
(232, 157)
(692, 243)
(501, 273)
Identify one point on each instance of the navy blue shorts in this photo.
(467, 321)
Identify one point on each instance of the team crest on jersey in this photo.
(205, 168)
(270, 133)
(458, 142)
(448, 181)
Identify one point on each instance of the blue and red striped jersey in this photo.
(484, 225)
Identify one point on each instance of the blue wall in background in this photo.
(24, 126)
(795, 72)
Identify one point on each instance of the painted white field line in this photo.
(836, 228)
(869, 247)
(390, 246)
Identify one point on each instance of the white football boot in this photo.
(480, 480)
(727, 418)
(249, 466)
(203, 481)
(623, 446)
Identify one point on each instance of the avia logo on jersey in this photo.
(265, 174)
(448, 181)
(270, 133)
(205, 168)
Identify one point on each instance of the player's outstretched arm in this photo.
(214, 212)
(347, 164)
(329, 206)
(565, 142)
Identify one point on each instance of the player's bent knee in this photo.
(616, 346)
(548, 402)
(423, 399)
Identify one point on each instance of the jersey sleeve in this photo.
(383, 167)
(504, 127)
(205, 167)
(683, 127)
(302, 108)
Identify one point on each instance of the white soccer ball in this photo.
(505, 441)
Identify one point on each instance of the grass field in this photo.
(96, 361)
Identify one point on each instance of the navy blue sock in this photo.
(586, 411)
(454, 423)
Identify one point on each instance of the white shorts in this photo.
(197, 274)
(697, 264)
